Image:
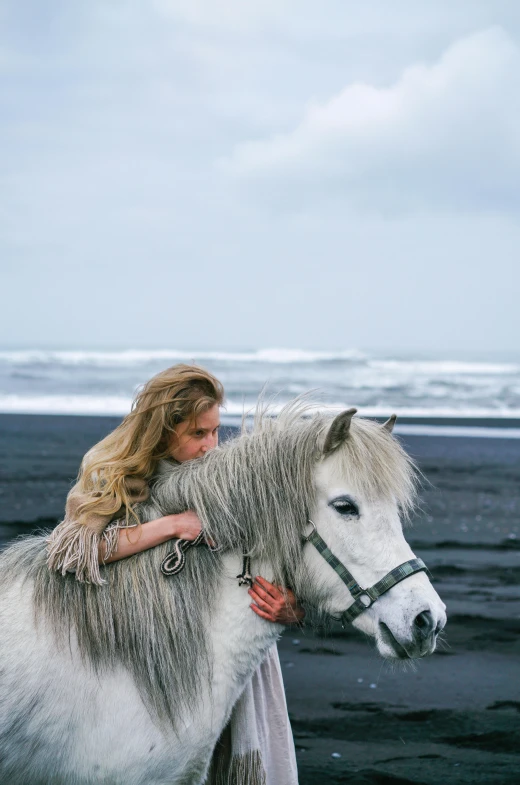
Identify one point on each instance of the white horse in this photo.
(132, 682)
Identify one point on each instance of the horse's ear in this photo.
(338, 431)
(389, 424)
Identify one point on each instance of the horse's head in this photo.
(365, 483)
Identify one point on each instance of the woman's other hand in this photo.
(271, 603)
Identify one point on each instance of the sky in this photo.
(246, 174)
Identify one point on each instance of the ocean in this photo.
(104, 382)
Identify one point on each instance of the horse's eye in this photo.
(345, 506)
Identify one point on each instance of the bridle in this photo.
(363, 598)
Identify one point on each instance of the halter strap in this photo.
(363, 598)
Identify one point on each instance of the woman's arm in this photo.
(185, 526)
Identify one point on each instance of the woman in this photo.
(176, 416)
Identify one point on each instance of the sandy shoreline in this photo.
(456, 718)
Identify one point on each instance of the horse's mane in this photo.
(255, 494)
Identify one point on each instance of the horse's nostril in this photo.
(425, 623)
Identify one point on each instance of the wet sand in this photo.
(454, 717)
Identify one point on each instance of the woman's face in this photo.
(193, 440)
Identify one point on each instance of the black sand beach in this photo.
(455, 717)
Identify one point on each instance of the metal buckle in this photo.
(305, 537)
(366, 599)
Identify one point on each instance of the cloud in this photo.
(444, 135)
(226, 14)
(113, 115)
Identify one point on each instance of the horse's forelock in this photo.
(374, 463)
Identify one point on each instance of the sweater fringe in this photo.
(74, 547)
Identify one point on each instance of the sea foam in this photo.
(105, 382)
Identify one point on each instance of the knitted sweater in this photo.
(73, 546)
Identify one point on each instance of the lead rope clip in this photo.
(245, 578)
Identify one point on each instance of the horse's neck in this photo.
(240, 637)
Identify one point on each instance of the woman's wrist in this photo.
(170, 526)
(183, 525)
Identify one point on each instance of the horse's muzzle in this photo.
(420, 643)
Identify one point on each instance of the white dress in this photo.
(257, 747)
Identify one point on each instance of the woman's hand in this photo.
(270, 602)
(184, 526)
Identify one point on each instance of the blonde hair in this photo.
(131, 452)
